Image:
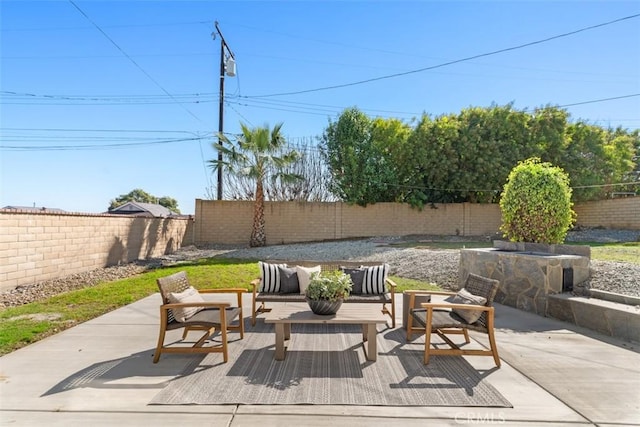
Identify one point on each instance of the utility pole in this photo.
(228, 66)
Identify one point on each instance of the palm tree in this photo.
(258, 155)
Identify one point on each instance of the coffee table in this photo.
(283, 315)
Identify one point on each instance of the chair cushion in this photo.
(270, 277)
(366, 298)
(304, 276)
(374, 279)
(211, 316)
(465, 297)
(188, 295)
(289, 281)
(357, 277)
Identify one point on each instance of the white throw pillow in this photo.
(270, 277)
(465, 297)
(374, 279)
(191, 294)
(304, 276)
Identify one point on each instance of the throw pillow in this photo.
(270, 277)
(357, 277)
(465, 297)
(304, 276)
(374, 279)
(190, 294)
(288, 281)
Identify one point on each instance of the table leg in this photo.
(280, 333)
(287, 331)
(372, 331)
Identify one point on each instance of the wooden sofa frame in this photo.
(259, 299)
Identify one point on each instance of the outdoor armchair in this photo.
(469, 309)
(184, 308)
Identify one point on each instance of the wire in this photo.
(619, 184)
(239, 114)
(97, 130)
(93, 147)
(133, 61)
(600, 100)
(167, 24)
(419, 70)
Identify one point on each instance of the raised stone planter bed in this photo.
(528, 273)
(537, 278)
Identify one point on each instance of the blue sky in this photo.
(100, 98)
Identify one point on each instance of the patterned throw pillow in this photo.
(288, 281)
(374, 279)
(304, 276)
(465, 297)
(270, 277)
(357, 277)
(190, 294)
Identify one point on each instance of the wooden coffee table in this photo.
(283, 315)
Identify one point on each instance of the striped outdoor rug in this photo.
(326, 365)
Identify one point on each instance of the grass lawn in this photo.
(25, 324)
(622, 252)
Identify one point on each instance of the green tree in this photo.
(432, 156)
(536, 203)
(466, 157)
(634, 174)
(257, 155)
(141, 196)
(390, 139)
(359, 153)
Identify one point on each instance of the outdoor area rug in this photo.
(326, 365)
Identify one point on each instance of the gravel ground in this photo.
(438, 266)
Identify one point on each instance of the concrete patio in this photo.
(554, 373)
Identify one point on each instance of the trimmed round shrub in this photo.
(536, 203)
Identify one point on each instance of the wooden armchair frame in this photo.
(218, 316)
(437, 317)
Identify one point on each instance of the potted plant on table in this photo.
(327, 291)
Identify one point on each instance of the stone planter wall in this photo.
(527, 274)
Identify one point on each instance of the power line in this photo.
(148, 76)
(419, 70)
(166, 24)
(96, 130)
(93, 146)
(133, 61)
(228, 104)
(600, 100)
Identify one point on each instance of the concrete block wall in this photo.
(41, 246)
(621, 213)
(230, 222)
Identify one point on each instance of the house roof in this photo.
(33, 209)
(150, 209)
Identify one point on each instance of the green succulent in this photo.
(330, 286)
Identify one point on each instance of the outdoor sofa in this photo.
(371, 284)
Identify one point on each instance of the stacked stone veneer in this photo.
(528, 273)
